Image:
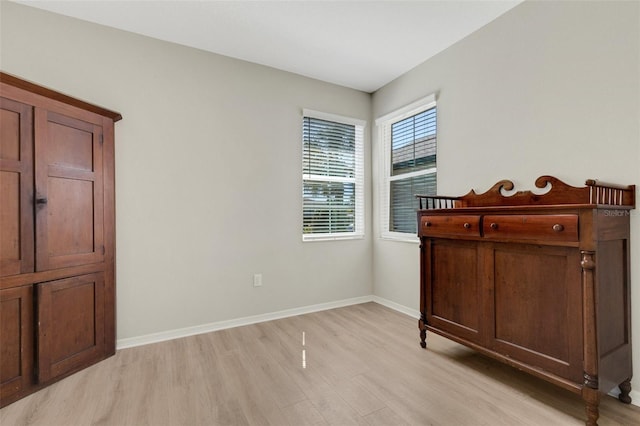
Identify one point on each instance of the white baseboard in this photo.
(221, 325)
(397, 307)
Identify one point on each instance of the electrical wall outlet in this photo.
(257, 280)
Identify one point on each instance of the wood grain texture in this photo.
(16, 351)
(57, 226)
(363, 367)
(16, 187)
(552, 191)
(551, 277)
(70, 324)
(69, 173)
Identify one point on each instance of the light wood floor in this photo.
(359, 365)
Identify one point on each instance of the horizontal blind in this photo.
(329, 207)
(413, 143)
(409, 158)
(333, 197)
(329, 148)
(404, 204)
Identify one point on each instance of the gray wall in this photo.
(547, 88)
(208, 171)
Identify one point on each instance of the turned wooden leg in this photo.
(592, 414)
(591, 399)
(590, 393)
(423, 332)
(625, 388)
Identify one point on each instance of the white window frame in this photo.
(358, 179)
(383, 125)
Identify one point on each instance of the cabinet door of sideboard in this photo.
(537, 307)
(453, 298)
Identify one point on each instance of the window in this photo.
(408, 139)
(332, 177)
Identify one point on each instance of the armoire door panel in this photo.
(10, 245)
(16, 188)
(71, 324)
(70, 146)
(69, 197)
(16, 340)
(9, 132)
(70, 217)
(532, 321)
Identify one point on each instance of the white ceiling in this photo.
(358, 44)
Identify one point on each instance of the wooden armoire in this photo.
(57, 236)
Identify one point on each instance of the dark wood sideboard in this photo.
(539, 281)
(57, 236)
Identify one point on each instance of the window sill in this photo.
(313, 238)
(400, 237)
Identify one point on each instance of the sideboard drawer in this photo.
(532, 227)
(462, 225)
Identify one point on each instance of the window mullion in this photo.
(412, 174)
(323, 178)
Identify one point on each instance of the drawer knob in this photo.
(467, 225)
(494, 226)
(558, 228)
(427, 224)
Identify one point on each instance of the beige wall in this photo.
(208, 170)
(548, 88)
